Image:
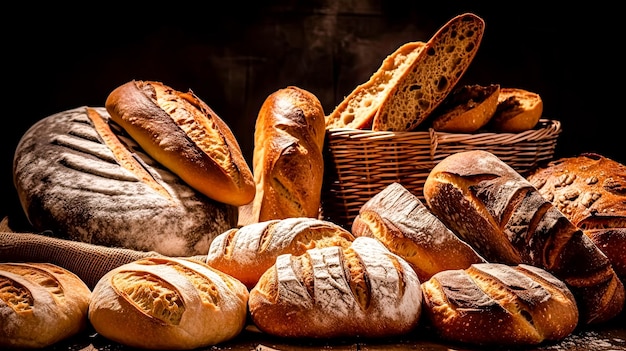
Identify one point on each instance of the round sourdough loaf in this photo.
(497, 304)
(40, 305)
(168, 304)
(80, 176)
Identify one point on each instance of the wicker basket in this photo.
(361, 163)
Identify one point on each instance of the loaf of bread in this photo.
(332, 292)
(81, 177)
(590, 190)
(467, 109)
(505, 219)
(357, 110)
(435, 73)
(399, 220)
(247, 252)
(499, 305)
(288, 165)
(183, 133)
(40, 305)
(168, 304)
(518, 110)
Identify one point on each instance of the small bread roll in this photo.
(518, 110)
(466, 109)
(40, 305)
(182, 132)
(496, 304)
(332, 292)
(168, 304)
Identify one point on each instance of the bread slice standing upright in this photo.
(433, 75)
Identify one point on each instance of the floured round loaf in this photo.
(40, 305)
(81, 177)
(168, 304)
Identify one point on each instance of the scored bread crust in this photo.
(78, 175)
(505, 219)
(466, 109)
(40, 304)
(331, 292)
(247, 252)
(408, 229)
(518, 110)
(183, 133)
(357, 110)
(168, 304)
(288, 164)
(436, 71)
(497, 304)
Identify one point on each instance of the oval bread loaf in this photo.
(183, 133)
(80, 176)
(505, 218)
(247, 252)
(407, 228)
(40, 305)
(168, 304)
(332, 292)
(496, 304)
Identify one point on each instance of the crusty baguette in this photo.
(407, 228)
(357, 110)
(505, 218)
(466, 109)
(518, 110)
(247, 252)
(434, 75)
(360, 291)
(288, 165)
(183, 133)
(499, 305)
(168, 304)
(40, 305)
(590, 190)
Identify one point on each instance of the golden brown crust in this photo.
(518, 305)
(40, 304)
(182, 132)
(518, 110)
(466, 109)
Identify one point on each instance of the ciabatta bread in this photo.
(183, 133)
(357, 110)
(81, 177)
(248, 251)
(590, 190)
(505, 219)
(168, 304)
(399, 220)
(288, 165)
(435, 73)
(40, 305)
(499, 305)
(333, 292)
(466, 109)
(518, 110)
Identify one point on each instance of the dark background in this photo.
(234, 55)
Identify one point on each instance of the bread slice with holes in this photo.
(434, 74)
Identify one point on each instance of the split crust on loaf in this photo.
(247, 252)
(332, 292)
(519, 305)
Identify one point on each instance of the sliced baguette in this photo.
(432, 76)
(518, 110)
(357, 110)
(466, 109)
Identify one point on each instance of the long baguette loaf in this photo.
(408, 229)
(247, 252)
(505, 218)
(361, 291)
(288, 165)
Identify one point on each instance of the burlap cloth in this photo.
(89, 262)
